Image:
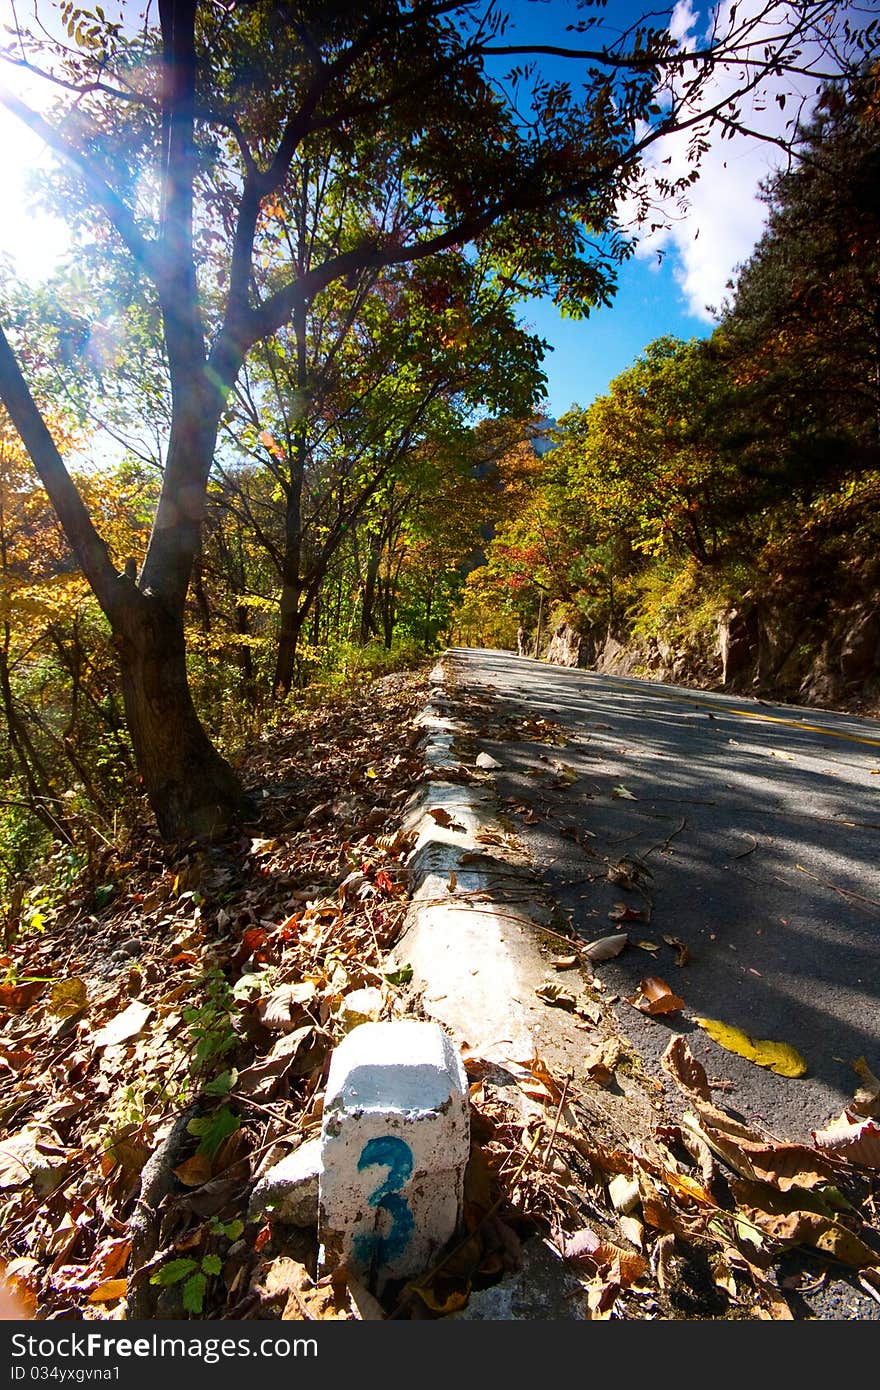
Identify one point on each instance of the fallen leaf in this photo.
(852, 1137)
(624, 1193)
(819, 1233)
(130, 1153)
(15, 1060)
(581, 1245)
(442, 1297)
(688, 1189)
(440, 815)
(123, 1026)
(109, 1291)
(263, 1077)
(599, 1065)
(24, 1159)
(683, 1067)
(781, 1164)
(487, 762)
(606, 947)
(564, 962)
(601, 1298)
(633, 1229)
(282, 1011)
(648, 946)
(684, 955)
(260, 847)
(109, 1259)
(622, 793)
(622, 912)
(551, 992)
(68, 997)
(780, 1057)
(866, 1100)
(194, 1171)
(17, 1279)
(620, 1266)
(655, 997)
(16, 998)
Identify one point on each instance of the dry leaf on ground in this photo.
(123, 1026)
(606, 947)
(851, 1137)
(866, 1100)
(683, 1067)
(655, 997)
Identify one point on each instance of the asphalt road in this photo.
(748, 831)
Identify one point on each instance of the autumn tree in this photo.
(185, 134)
(801, 334)
(343, 401)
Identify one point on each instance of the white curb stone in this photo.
(289, 1190)
(395, 1139)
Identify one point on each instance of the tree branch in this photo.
(88, 546)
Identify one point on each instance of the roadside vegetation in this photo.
(717, 513)
(267, 441)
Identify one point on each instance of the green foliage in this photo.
(211, 1130)
(712, 474)
(193, 1274)
(210, 1033)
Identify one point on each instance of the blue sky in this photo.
(699, 253)
(589, 353)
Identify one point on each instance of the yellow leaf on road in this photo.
(780, 1057)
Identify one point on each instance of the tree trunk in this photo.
(288, 636)
(292, 617)
(369, 595)
(191, 788)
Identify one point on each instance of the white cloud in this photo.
(682, 23)
(724, 216)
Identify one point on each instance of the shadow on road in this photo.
(755, 843)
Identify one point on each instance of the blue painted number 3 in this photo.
(372, 1248)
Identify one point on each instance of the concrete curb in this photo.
(478, 934)
(461, 922)
(480, 945)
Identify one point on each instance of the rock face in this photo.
(737, 639)
(860, 644)
(569, 648)
(787, 643)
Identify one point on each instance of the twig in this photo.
(156, 1181)
(552, 1140)
(846, 892)
(664, 844)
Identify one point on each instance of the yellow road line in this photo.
(746, 713)
(798, 724)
